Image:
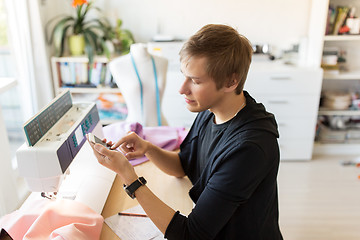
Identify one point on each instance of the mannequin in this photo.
(139, 83)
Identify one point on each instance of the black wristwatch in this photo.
(130, 190)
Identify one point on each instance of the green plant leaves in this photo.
(59, 34)
(96, 32)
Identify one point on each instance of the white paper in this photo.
(134, 228)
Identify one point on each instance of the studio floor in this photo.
(320, 199)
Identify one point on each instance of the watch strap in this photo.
(130, 190)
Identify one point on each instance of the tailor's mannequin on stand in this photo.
(141, 86)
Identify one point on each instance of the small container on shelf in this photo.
(337, 100)
(338, 129)
(327, 135)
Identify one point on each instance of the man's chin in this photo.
(194, 109)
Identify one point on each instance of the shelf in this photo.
(92, 90)
(342, 81)
(351, 75)
(83, 59)
(342, 38)
(336, 148)
(328, 112)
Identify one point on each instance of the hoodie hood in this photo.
(255, 117)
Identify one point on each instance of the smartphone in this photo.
(95, 139)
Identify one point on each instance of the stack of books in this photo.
(337, 20)
(79, 74)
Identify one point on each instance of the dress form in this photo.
(123, 71)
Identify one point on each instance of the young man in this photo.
(230, 154)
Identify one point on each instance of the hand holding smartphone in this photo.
(95, 139)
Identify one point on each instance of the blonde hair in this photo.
(228, 53)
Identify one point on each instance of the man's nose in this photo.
(184, 88)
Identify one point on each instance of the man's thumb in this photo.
(102, 150)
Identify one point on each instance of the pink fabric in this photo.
(58, 220)
(166, 137)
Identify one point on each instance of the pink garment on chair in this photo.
(166, 137)
(57, 220)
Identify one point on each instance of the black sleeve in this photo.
(231, 185)
(188, 148)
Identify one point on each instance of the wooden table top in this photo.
(171, 190)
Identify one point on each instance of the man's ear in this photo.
(232, 84)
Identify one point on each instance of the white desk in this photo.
(8, 194)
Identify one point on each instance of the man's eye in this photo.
(194, 81)
(190, 79)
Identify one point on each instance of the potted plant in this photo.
(123, 39)
(84, 34)
(120, 39)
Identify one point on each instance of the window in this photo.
(12, 189)
(22, 57)
(10, 101)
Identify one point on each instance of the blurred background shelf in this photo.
(342, 38)
(336, 148)
(91, 90)
(330, 112)
(349, 75)
(338, 130)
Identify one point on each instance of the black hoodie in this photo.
(236, 193)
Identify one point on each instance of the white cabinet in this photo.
(292, 94)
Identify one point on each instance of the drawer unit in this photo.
(289, 82)
(292, 94)
(288, 105)
(293, 149)
(273, 78)
(293, 128)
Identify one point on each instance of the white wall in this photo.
(51, 9)
(278, 22)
